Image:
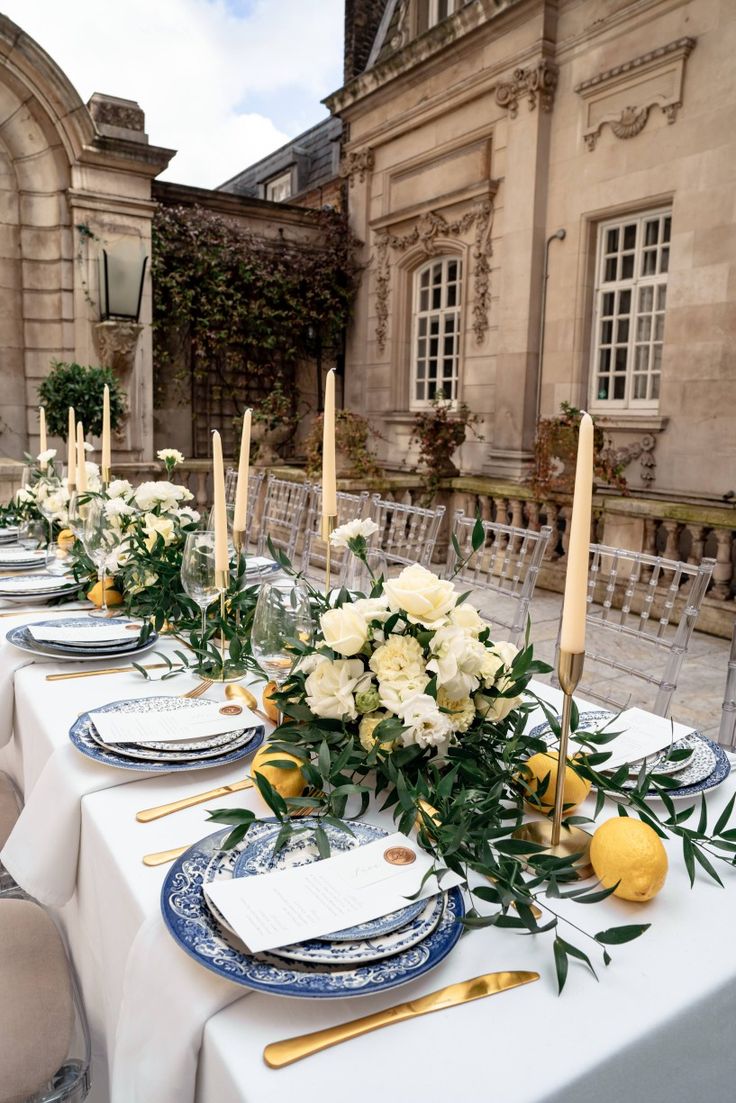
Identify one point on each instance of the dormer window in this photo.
(432, 12)
(278, 190)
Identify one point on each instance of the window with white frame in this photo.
(278, 190)
(630, 298)
(431, 12)
(436, 337)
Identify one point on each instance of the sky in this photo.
(224, 82)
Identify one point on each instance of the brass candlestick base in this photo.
(222, 580)
(106, 477)
(329, 522)
(549, 832)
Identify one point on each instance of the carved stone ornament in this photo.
(538, 83)
(400, 36)
(117, 343)
(623, 98)
(642, 450)
(359, 162)
(427, 229)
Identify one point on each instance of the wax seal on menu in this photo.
(230, 710)
(399, 855)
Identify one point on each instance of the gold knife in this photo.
(161, 810)
(107, 670)
(278, 1054)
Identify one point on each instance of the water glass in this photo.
(198, 571)
(31, 535)
(100, 540)
(360, 577)
(282, 615)
(77, 510)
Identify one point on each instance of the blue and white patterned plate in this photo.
(81, 735)
(39, 587)
(191, 925)
(20, 637)
(706, 768)
(255, 855)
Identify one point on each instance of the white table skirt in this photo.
(657, 1027)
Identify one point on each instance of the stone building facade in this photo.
(477, 133)
(74, 178)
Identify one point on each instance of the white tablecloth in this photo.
(657, 1027)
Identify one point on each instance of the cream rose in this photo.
(344, 630)
(330, 688)
(495, 708)
(468, 618)
(155, 526)
(425, 598)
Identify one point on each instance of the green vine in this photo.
(351, 437)
(556, 441)
(439, 431)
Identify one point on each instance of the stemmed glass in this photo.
(282, 615)
(78, 509)
(49, 507)
(31, 534)
(361, 576)
(198, 571)
(100, 539)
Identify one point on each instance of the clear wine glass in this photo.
(100, 540)
(31, 535)
(78, 509)
(360, 577)
(198, 571)
(282, 615)
(50, 500)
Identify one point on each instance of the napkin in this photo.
(21, 555)
(42, 851)
(257, 563)
(149, 1063)
(104, 633)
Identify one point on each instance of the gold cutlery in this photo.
(40, 609)
(278, 1054)
(203, 686)
(149, 814)
(233, 691)
(162, 857)
(106, 670)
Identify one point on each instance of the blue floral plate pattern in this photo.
(81, 736)
(704, 750)
(191, 924)
(21, 637)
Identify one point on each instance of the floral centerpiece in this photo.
(44, 487)
(406, 697)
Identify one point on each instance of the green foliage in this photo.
(351, 437)
(557, 439)
(81, 387)
(439, 431)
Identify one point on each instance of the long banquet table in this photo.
(657, 1027)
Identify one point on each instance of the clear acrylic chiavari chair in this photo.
(282, 516)
(642, 611)
(406, 534)
(349, 508)
(727, 729)
(507, 564)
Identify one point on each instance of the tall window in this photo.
(630, 298)
(278, 190)
(431, 12)
(436, 343)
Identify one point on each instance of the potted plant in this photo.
(439, 431)
(555, 455)
(353, 457)
(274, 421)
(81, 387)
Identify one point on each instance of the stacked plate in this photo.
(358, 961)
(118, 638)
(18, 559)
(705, 768)
(214, 750)
(9, 534)
(36, 588)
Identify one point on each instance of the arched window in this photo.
(436, 337)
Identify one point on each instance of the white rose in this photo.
(352, 529)
(330, 688)
(498, 661)
(467, 617)
(419, 593)
(392, 695)
(344, 630)
(119, 488)
(372, 608)
(398, 658)
(188, 515)
(495, 708)
(158, 526)
(457, 660)
(424, 723)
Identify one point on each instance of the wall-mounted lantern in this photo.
(122, 272)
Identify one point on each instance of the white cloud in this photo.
(194, 65)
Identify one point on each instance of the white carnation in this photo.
(400, 657)
(170, 455)
(424, 724)
(331, 686)
(119, 488)
(351, 530)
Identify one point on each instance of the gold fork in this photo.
(203, 686)
(162, 857)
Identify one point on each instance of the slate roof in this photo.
(313, 158)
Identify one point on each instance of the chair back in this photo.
(282, 516)
(507, 563)
(727, 729)
(255, 482)
(406, 534)
(632, 626)
(349, 508)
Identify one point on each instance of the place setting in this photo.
(84, 638)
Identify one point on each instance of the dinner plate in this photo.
(255, 855)
(20, 558)
(706, 769)
(183, 751)
(129, 627)
(81, 736)
(29, 587)
(9, 534)
(192, 926)
(20, 637)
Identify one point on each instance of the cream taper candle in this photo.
(71, 450)
(106, 464)
(218, 486)
(572, 635)
(241, 490)
(329, 481)
(81, 459)
(42, 441)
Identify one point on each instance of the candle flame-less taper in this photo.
(106, 463)
(572, 634)
(241, 490)
(42, 440)
(71, 450)
(81, 459)
(329, 479)
(220, 511)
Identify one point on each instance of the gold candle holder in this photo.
(106, 477)
(222, 581)
(329, 523)
(239, 545)
(548, 833)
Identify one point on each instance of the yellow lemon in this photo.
(540, 765)
(289, 783)
(65, 539)
(430, 813)
(630, 852)
(269, 706)
(113, 597)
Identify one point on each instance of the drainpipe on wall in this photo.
(559, 235)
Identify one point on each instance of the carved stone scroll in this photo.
(538, 84)
(359, 162)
